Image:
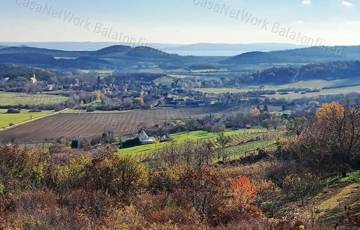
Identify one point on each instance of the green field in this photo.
(14, 119)
(236, 136)
(241, 150)
(343, 86)
(12, 99)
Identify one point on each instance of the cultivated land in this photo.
(323, 92)
(12, 99)
(8, 120)
(335, 87)
(88, 125)
(242, 142)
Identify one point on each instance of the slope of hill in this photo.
(113, 50)
(303, 55)
(324, 71)
(35, 50)
(13, 71)
(110, 57)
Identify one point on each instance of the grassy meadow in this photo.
(7, 120)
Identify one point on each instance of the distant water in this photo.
(205, 52)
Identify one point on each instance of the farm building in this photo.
(165, 138)
(145, 139)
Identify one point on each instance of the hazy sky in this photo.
(182, 21)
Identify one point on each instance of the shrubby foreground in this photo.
(56, 188)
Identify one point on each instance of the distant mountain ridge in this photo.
(142, 57)
(108, 57)
(224, 49)
(197, 49)
(303, 55)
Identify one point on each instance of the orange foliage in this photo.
(255, 112)
(332, 110)
(243, 188)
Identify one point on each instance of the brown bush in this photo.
(95, 204)
(121, 177)
(204, 190)
(22, 168)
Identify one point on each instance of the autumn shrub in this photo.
(246, 223)
(70, 175)
(94, 204)
(48, 210)
(149, 203)
(33, 210)
(161, 208)
(23, 168)
(28, 202)
(269, 196)
(242, 190)
(241, 203)
(204, 190)
(299, 186)
(126, 218)
(259, 170)
(121, 177)
(165, 179)
(331, 142)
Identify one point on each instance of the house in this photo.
(165, 138)
(33, 79)
(145, 139)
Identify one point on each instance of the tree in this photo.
(332, 141)
(333, 111)
(299, 186)
(296, 125)
(255, 112)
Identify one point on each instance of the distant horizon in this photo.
(192, 49)
(178, 43)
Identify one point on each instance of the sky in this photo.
(305, 22)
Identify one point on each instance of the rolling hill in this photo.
(13, 71)
(321, 71)
(111, 57)
(142, 57)
(303, 55)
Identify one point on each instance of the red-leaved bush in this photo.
(243, 190)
